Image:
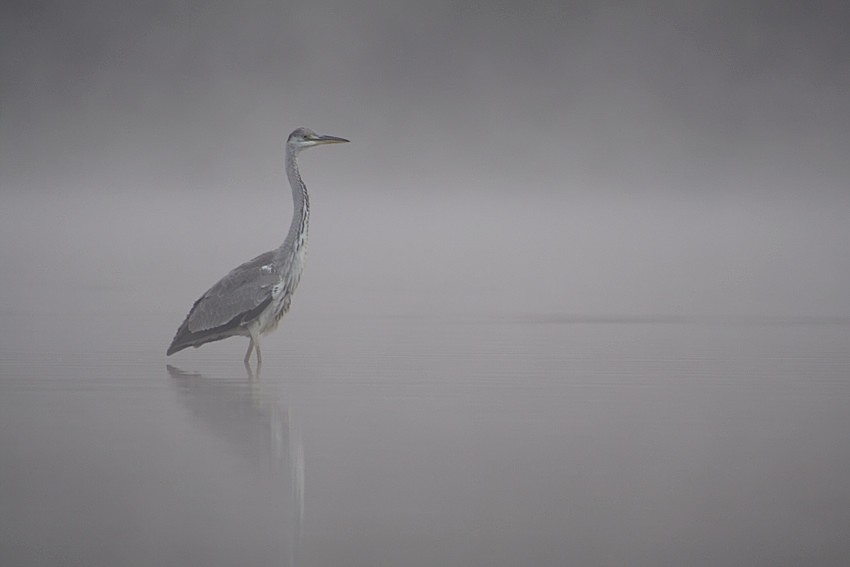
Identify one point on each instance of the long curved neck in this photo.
(297, 235)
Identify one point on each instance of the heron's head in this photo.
(305, 138)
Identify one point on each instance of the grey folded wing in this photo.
(234, 301)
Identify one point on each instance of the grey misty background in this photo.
(589, 159)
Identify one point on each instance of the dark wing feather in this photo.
(235, 300)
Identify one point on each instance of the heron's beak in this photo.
(330, 140)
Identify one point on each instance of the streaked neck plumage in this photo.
(296, 238)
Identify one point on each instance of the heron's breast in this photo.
(282, 291)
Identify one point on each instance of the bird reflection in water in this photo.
(251, 419)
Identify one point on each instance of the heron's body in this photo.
(251, 300)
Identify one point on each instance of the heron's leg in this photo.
(250, 350)
(255, 344)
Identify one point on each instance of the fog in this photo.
(559, 166)
(656, 158)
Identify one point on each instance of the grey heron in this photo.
(251, 299)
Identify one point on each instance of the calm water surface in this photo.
(422, 441)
